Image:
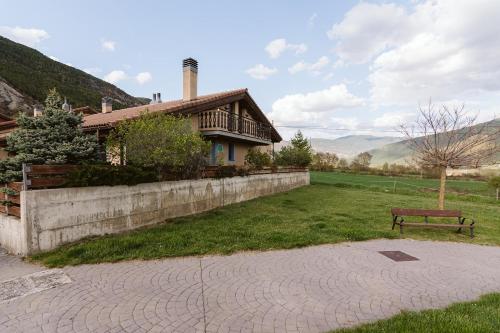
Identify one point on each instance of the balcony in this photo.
(224, 123)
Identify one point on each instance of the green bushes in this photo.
(109, 175)
(324, 161)
(162, 142)
(227, 171)
(256, 159)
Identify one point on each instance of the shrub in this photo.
(257, 159)
(109, 175)
(494, 182)
(324, 162)
(298, 154)
(163, 142)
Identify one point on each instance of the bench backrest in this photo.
(426, 212)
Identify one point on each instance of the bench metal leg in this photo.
(460, 221)
(401, 227)
(394, 219)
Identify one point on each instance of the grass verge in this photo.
(481, 316)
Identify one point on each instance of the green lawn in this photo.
(482, 316)
(461, 189)
(317, 214)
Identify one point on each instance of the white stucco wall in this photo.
(53, 217)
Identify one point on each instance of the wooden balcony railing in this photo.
(220, 120)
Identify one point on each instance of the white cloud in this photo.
(108, 45)
(393, 119)
(368, 29)
(314, 107)
(115, 76)
(143, 77)
(26, 36)
(313, 68)
(444, 49)
(276, 47)
(312, 20)
(327, 76)
(261, 72)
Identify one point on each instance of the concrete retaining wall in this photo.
(53, 217)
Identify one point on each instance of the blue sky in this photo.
(318, 65)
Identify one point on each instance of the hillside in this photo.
(400, 153)
(26, 75)
(348, 146)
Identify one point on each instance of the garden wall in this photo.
(53, 217)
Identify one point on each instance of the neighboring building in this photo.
(231, 120)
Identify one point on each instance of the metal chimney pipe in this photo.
(158, 100)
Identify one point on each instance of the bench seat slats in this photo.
(435, 225)
(426, 212)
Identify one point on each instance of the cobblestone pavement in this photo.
(314, 289)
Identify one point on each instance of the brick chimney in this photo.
(107, 105)
(190, 79)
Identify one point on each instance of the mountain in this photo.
(347, 146)
(400, 153)
(26, 76)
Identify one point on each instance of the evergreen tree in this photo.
(56, 137)
(298, 154)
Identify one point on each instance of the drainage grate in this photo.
(32, 283)
(397, 255)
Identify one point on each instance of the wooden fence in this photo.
(51, 176)
(34, 177)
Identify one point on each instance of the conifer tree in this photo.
(55, 137)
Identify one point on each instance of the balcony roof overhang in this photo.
(235, 137)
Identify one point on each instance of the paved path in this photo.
(313, 289)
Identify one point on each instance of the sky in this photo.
(328, 68)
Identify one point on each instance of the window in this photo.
(213, 154)
(231, 152)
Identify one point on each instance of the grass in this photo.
(457, 189)
(317, 214)
(482, 316)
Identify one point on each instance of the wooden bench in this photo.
(401, 213)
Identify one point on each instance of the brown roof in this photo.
(201, 103)
(111, 118)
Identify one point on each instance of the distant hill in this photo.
(400, 153)
(26, 75)
(347, 146)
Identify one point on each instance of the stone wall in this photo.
(53, 217)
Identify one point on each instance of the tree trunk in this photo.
(442, 188)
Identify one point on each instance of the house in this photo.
(230, 120)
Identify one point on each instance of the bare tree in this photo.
(448, 138)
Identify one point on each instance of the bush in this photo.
(324, 162)
(494, 182)
(227, 171)
(109, 175)
(257, 159)
(160, 141)
(299, 154)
